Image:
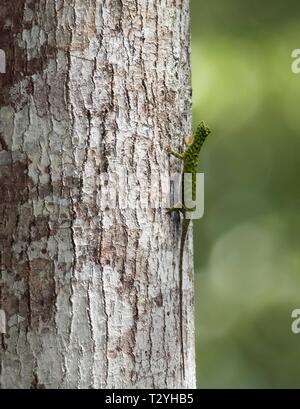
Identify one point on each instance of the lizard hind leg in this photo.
(176, 209)
(189, 209)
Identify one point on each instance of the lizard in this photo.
(190, 158)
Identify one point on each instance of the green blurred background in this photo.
(247, 246)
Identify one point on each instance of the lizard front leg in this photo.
(177, 155)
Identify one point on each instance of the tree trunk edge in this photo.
(90, 294)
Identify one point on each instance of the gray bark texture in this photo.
(90, 292)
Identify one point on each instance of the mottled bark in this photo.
(90, 292)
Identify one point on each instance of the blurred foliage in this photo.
(247, 245)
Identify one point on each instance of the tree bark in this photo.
(92, 89)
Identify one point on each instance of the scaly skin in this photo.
(190, 158)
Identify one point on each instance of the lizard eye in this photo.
(189, 140)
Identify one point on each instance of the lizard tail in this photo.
(185, 228)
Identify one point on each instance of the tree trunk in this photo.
(93, 90)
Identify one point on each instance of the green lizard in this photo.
(190, 158)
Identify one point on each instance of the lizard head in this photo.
(200, 134)
(195, 143)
